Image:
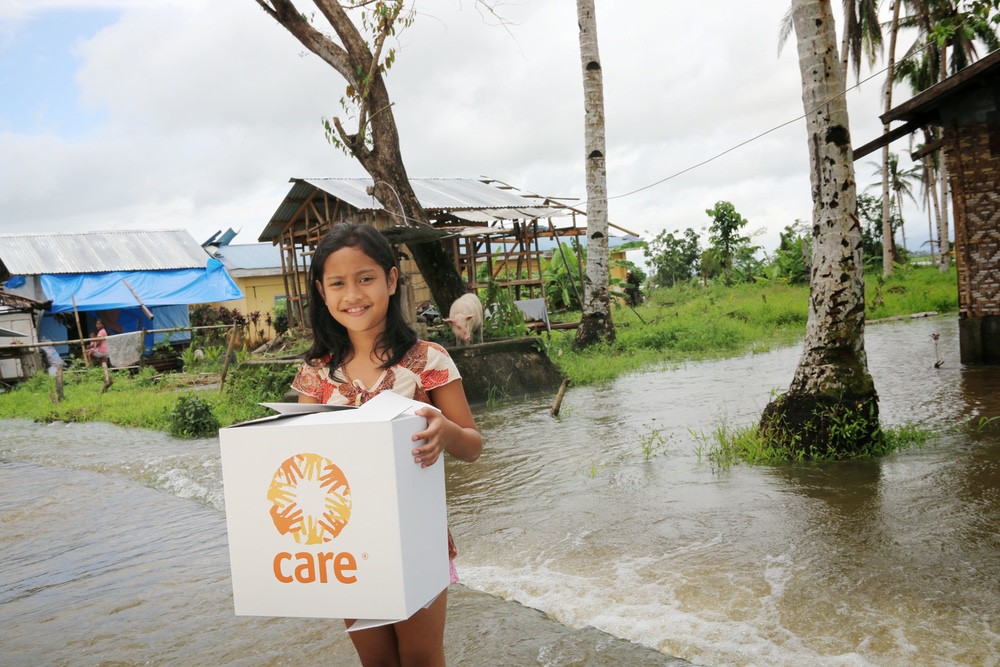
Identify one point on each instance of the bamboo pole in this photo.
(145, 310)
(559, 398)
(144, 331)
(79, 330)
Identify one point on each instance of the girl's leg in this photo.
(420, 638)
(376, 647)
(416, 642)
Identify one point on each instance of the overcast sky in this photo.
(193, 114)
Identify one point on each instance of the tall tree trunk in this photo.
(831, 386)
(376, 143)
(943, 234)
(943, 179)
(930, 197)
(888, 240)
(595, 323)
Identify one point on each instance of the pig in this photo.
(466, 319)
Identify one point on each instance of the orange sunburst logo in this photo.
(310, 499)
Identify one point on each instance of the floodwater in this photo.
(582, 539)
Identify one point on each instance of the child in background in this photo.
(363, 346)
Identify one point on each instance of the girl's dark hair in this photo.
(329, 336)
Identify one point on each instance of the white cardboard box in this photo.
(329, 516)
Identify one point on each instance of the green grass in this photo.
(692, 322)
(146, 399)
(673, 325)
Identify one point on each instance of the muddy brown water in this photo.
(576, 548)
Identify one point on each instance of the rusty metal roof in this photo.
(100, 252)
(474, 200)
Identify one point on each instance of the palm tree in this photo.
(831, 385)
(595, 321)
(862, 34)
(888, 248)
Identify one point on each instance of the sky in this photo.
(194, 114)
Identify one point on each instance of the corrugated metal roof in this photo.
(434, 194)
(249, 256)
(100, 252)
(468, 198)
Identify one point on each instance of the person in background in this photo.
(97, 351)
(362, 346)
(55, 365)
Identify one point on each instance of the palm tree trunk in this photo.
(943, 235)
(595, 322)
(831, 384)
(932, 192)
(888, 241)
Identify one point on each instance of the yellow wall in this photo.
(259, 294)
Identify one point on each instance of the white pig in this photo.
(466, 318)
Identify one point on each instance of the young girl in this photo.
(363, 346)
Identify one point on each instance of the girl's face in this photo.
(356, 290)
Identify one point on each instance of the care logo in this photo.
(310, 499)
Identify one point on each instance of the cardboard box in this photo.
(329, 516)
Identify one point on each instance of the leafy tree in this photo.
(724, 236)
(362, 57)
(560, 282)
(673, 258)
(791, 259)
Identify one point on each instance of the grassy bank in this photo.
(673, 325)
(703, 322)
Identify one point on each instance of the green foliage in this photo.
(192, 417)
(727, 244)
(870, 214)
(501, 318)
(560, 283)
(248, 386)
(911, 289)
(794, 255)
(673, 259)
(211, 360)
(691, 321)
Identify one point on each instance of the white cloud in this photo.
(211, 106)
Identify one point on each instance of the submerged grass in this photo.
(726, 446)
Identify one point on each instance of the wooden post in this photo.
(229, 352)
(145, 310)
(79, 330)
(559, 398)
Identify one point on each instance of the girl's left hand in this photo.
(438, 434)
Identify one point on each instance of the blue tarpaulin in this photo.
(107, 291)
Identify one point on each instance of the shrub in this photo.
(192, 417)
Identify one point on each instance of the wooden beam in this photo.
(887, 138)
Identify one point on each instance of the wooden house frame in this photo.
(482, 222)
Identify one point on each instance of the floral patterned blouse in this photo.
(424, 368)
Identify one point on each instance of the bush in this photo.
(192, 417)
